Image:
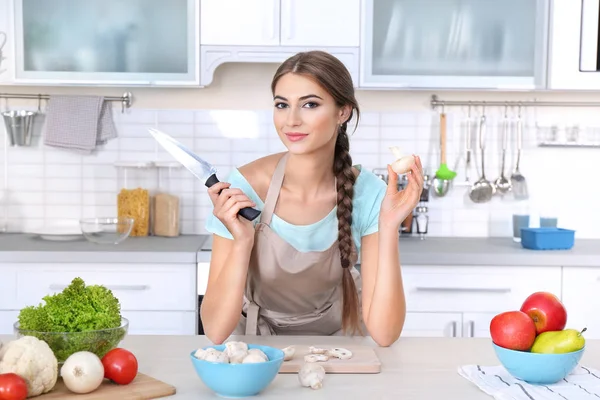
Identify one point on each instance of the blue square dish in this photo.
(547, 238)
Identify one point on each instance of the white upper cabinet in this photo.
(331, 23)
(454, 44)
(239, 22)
(270, 31)
(6, 43)
(112, 42)
(574, 46)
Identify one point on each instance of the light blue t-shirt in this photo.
(368, 194)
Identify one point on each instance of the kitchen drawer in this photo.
(477, 324)
(7, 319)
(161, 322)
(8, 287)
(158, 287)
(432, 325)
(581, 286)
(476, 288)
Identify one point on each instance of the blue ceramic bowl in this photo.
(239, 380)
(536, 368)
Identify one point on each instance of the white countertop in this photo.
(189, 249)
(412, 368)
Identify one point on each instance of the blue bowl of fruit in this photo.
(532, 343)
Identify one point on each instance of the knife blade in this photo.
(200, 168)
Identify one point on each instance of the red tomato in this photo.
(120, 366)
(12, 387)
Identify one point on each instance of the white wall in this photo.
(48, 184)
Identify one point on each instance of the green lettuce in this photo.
(69, 321)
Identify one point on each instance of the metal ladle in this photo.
(482, 190)
(502, 184)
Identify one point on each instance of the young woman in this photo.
(291, 271)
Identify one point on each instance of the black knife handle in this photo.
(247, 212)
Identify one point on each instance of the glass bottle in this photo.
(422, 221)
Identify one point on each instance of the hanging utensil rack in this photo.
(436, 102)
(126, 98)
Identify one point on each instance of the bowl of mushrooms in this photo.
(237, 369)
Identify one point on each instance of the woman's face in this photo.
(306, 116)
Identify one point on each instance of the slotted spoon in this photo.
(482, 190)
(519, 184)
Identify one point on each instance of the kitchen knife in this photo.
(200, 168)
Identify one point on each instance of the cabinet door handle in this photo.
(453, 328)
(461, 289)
(471, 331)
(287, 17)
(275, 15)
(58, 286)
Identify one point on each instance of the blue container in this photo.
(239, 380)
(547, 238)
(536, 368)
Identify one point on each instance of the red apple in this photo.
(546, 310)
(513, 330)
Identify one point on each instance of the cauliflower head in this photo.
(33, 360)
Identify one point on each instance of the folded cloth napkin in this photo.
(582, 383)
(79, 123)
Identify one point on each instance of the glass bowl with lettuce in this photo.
(78, 318)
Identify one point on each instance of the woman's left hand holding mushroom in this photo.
(398, 204)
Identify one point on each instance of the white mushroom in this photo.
(253, 358)
(236, 351)
(259, 353)
(312, 358)
(341, 353)
(212, 355)
(317, 350)
(288, 353)
(311, 375)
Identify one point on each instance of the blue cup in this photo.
(519, 221)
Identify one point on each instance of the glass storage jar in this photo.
(137, 185)
(167, 205)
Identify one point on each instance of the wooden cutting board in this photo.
(143, 387)
(363, 361)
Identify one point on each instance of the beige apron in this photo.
(289, 292)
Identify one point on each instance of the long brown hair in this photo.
(332, 75)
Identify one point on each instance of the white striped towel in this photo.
(582, 383)
(79, 123)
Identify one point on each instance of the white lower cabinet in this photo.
(161, 322)
(477, 324)
(581, 286)
(423, 324)
(159, 299)
(7, 320)
(459, 301)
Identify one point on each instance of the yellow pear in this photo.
(559, 342)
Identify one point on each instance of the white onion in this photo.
(82, 372)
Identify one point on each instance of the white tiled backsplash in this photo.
(45, 185)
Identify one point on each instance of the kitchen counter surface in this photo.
(21, 248)
(412, 368)
(196, 248)
(494, 251)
